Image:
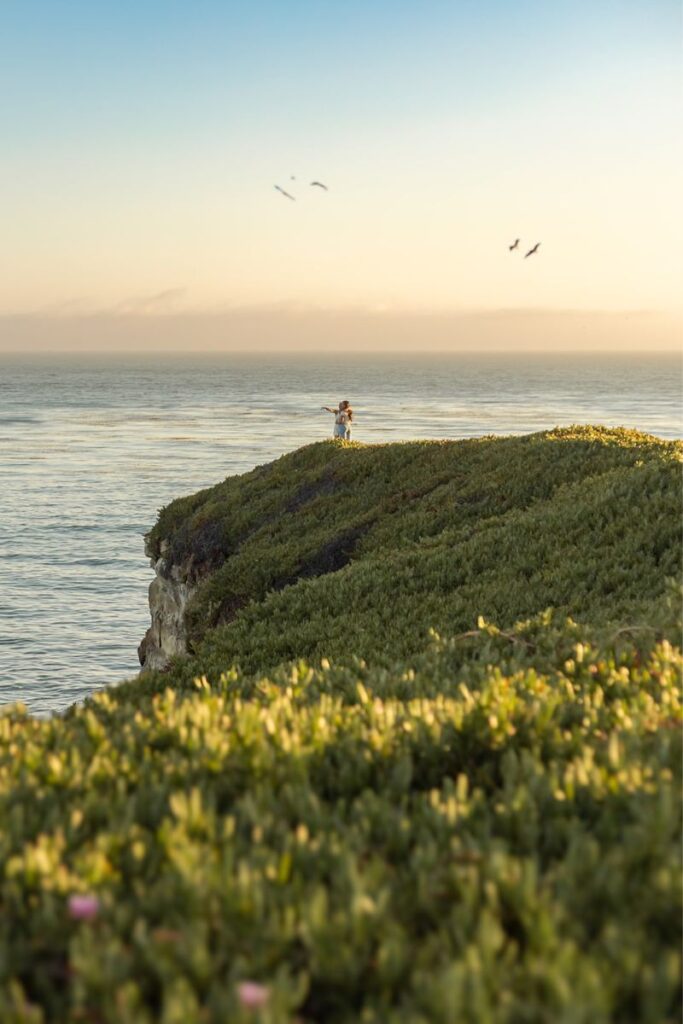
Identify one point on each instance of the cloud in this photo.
(157, 303)
(153, 326)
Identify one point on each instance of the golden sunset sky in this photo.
(142, 141)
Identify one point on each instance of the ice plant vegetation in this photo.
(422, 764)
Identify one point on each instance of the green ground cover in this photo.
(357, 792)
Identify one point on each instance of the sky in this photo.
(141, 142)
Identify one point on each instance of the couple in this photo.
(343, 419)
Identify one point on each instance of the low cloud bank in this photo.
(264, 330)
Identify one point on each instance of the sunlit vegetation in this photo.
(422, 765)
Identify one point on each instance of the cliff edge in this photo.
(169, 593)
(339, 547)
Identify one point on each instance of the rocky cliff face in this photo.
(169, 593)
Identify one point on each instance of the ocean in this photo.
(91, 448)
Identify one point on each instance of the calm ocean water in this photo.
(90, 449)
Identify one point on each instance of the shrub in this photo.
(371, 821)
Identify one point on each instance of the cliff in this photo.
(169, 593)
(348, 547)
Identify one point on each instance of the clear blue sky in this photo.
(141, 141)
(110, 72)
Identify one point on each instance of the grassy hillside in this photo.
(338, 550)
(393, 810)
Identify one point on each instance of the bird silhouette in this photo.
(532, 251)
(514, 244)
(320, 185)
(284, 193)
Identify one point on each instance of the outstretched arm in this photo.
(327, 408)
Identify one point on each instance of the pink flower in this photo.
(252, 995)
(83, 908)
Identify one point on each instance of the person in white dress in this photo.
(343, 419)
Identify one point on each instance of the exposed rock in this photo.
(169, 593)
(184, 560)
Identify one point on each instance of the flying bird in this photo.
(284, 193)
(320, 185)
(514, 244)
(532, 251)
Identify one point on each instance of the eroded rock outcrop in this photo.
(169, 593)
